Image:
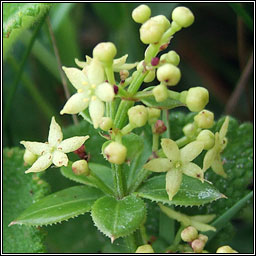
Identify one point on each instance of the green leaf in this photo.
(117, 218)
(59, 206)
(19, 16)
(191, 192)
(19, 191)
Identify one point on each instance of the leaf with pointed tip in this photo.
(192, 192)
(118, 218)
(59, 206)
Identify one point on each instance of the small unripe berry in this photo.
(189, 234)
(115, 152)
(173, 58)
(104, 52)
(106, 123)
(197, 98)
(189, 130)
(153, 115)
(203, 238)
(141, 13)
(207, 137)
(105, 92)
(226, 249)
(80, 167)
(162, 20)
(169, 74)
(151, 31)
(29, 157)
(147, 248)
(138, 116)
(183, 16)
(160, 93)
(204, 119)
(197, 245)
(150, 76)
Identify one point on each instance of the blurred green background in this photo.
(215, 52)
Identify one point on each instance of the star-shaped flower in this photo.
(212, 157)
(54, 151)
(178, 161)
(92, 91)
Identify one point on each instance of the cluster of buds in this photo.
(226, 249)
(196, 241)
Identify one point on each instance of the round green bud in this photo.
(173, 58)
(80, 167)
(183, 16)
(29, 157)
(160, 93)
(106, 123)
(162, 20)
(150, 76)
(197, 245)
(204, 119)
(189, 130)
(153, 115)
(197, 98)
(147, 248)
(207, 137)
(141, 13)
(115, 152)
(226, 249)
(203, 238)
(189, 234)
(168, 74)
(138, 116)
(104, 52)
(151, 31)
(163, 58)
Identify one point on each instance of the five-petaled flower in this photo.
(212, 157)
(178, 161)
(54, 151)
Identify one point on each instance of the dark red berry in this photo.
(155, 61)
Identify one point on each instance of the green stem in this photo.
(19, 73)
(155, 143)
(130, 243)
(176, 241)
(165, 116)
(174, 95)
(119, 180)
(183, 141)
(143, 234)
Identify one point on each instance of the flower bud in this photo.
(160, 93)
(189, 234)
(147, 248)
(204, 119)
(159, 127)
(29, 157)
(115, 152)
(153, 115)
(80, 167)
(104, 52)
(197, 98)
(189, 130)
(106, 123)
(226, 249)
(169, 74)
(207, 137)
(138, 115)
(105, 92)
(183, 16)
(155, 61)
(197, 245)
(203, 238)
(151, 31)
(162, 20)
(141, 13)
(150, 76)
(173, 58)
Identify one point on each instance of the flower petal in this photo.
(55, 134)
(191, 151)
(96, 110)
(193, 170)
(209, 158)
(95, 72)
(59, 158)
(173, 182)
(224, 128)
(41, 164)
(105, 92)
(158, 165)
(80, 64)
(77, 78)
(72, 144)
(120, 61)
(217, 167)
(75, 104)
(37, 148)
(170, 149)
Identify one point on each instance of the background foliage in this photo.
(214, 53)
